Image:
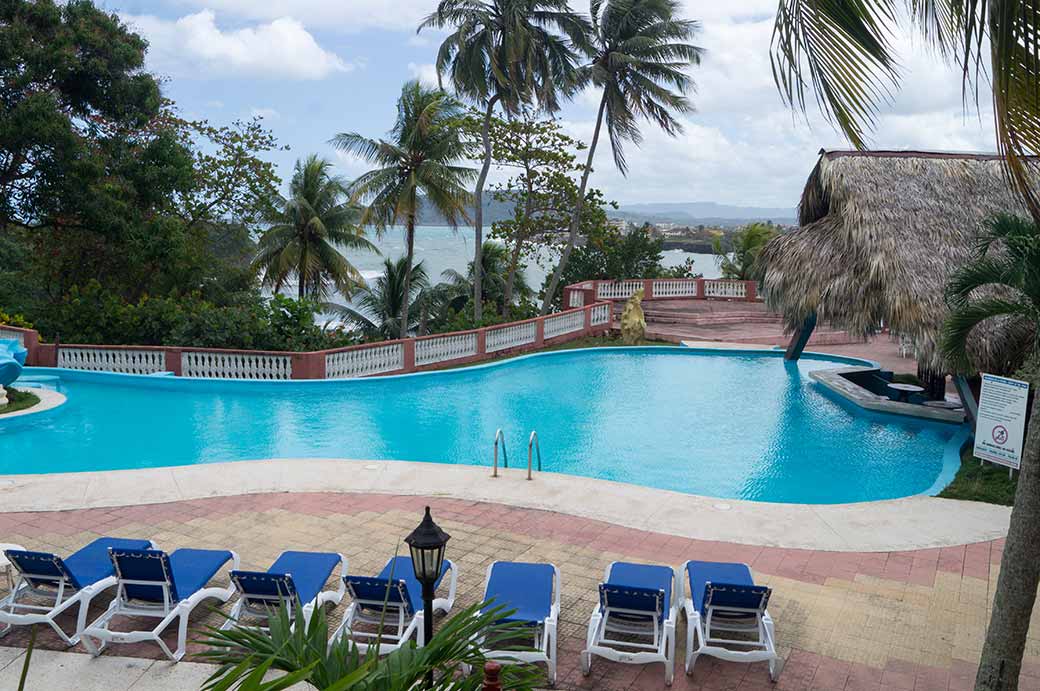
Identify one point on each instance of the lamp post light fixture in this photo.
(427, 543)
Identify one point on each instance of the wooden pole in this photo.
(800, 338)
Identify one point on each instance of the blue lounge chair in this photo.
(636, 602)
(60, 583)
(402, 617)
(295, 577)
(724, 600)
(533, 591)
(162, 586)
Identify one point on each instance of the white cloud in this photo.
(265, 113)
(425, 73)
(194, 46)
(333, 15)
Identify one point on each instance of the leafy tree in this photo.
(496, 273)
(381, 306)
(510, 51)
(308, 229)
(740, 262)
(637, 55)
(421, 156)
(1003, 283)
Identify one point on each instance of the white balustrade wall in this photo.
(362, 362)
(220, 365)
(11, 333)
(577, 299)
(725, 289)
(503, 337)
(444, 348)
(617, 290)
(600, 315)
(674, 288)
(565, 323)
(120, 360)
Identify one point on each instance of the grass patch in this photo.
(608, 341)
(19, 400)
(984, 482)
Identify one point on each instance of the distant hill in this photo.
(682, 213)
(706, 213)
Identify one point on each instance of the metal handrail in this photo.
(505, 455)
(532, 442)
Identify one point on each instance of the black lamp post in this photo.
(427, 543)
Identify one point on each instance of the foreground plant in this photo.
(303, 654)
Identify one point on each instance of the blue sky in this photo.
(313, 68)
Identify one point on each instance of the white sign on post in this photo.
(1001, 422)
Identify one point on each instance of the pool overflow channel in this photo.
(534, 449)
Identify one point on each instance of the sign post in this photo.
(1001, 422)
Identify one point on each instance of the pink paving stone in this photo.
(932, 679)
(873, 564)
(951, 559)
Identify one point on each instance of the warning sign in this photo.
(1002, 420)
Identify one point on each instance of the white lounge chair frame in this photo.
(15, 612)
(265, 605)
(544, 634)
(706, 635)
(166, 612)
(659, 630)
(394, 616)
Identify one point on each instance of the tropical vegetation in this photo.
(637, 56)
(1003, 283)
(421, 157)
(513, 52)
(252, 659)
(380, 306)
(307, 233)
(739, 260)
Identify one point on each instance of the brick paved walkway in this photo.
(912, 621)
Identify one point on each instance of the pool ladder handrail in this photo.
(532, 442)
(499, 435)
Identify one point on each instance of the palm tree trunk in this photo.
(301, 273)
(1019, 575)
(572, 238)
(478, 215)
(409, 237)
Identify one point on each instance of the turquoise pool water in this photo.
(747, 426)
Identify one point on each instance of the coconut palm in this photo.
(741, 263)
(637, 57)
(508, 51)
(307, 231)
(419, 162)
(380, 306)
(496, 260)
(845, 53)
(1003, 283)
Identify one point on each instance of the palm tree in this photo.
(508, 51)
(421, 157)
(844, 52)
(637, 56)
(496, 264)
(307, 231)
(742, 262)
(381, 305)
(1005, 285)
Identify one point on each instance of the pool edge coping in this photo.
(910, 523)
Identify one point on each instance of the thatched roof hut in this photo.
(881, 232)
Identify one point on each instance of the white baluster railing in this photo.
(221, 365)
(361, 362)
(600, 315)
(502, 337)
(577, 299)
(11, 333)
(120, 360)
(565, 323)
(674, 287)
(443, 348)
(617, 290)
(725, 289)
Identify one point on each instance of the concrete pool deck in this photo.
(917, 522)
(845, 621)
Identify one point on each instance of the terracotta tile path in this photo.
(911, 621)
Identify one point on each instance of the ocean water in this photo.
(729, 425)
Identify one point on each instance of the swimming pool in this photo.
(743, 425)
